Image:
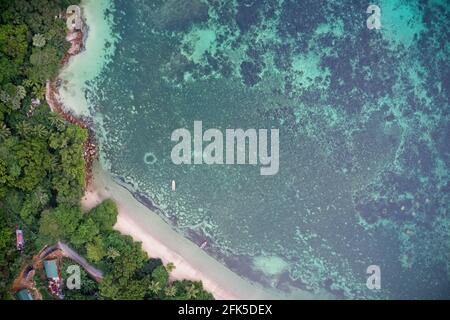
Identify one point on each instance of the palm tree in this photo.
(39, 40)
(41, 195)
(170, 291)
(39, 92)
(57, 121)
(54, 164)
(37, 89)
(170, 267)
(40, 131)
(192, 292)
(155, 287)
(24, 129)
(21, 92)
(5, 132)
(15, 103)
(112, 253)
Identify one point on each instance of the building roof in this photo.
(19, 236)
(75, 23)
(24, 294)
(51, 269)
(19, 239)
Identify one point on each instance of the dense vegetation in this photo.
(42, 171)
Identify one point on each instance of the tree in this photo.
(4, 177)
(76, 135)
(95, 250)
(161, 276)
(33, 159)
(13, 42)
(131, 257)
(155, 287)
(9, 254)
(36, 87)
(12, 95)
(24, 129)
(69, 180)
(112, 253)
(39, 40)
(59, 223)
(170, 267)
(40, 131)
(42, 196)
(108, 287)
(9, 69)
(20, 93)
(57, 121)
(148, 268)
(58, 140)
(105, 215)
(189, 290)
(118, 289)
(30, 208)
(85, 233)
(45, 63)
(5, 132)
(192, 292)
(170, 291)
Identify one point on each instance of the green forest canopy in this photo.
(42, 174)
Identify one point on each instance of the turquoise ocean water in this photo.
(364, 135)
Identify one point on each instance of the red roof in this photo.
(19, 239)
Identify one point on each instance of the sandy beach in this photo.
(159, 240)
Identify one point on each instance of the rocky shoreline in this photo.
(76, 37)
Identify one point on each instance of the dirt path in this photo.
(71, 254)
